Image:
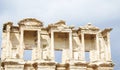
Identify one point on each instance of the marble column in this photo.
(21, 50)
(108, 47)
(102, 47)
(8, 42)
(39, 51)
(52, 45)
(70, 45)
(83, 47)
(106, 50)
(34, 53)
(97, 48)
(92, 50)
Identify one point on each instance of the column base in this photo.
(13, 60)
(46, 66)
(44, 61)
(100, 65)
(61, 66)
(78, 66)
(77, 61)
(9, 65)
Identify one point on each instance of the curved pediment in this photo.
(30, 22)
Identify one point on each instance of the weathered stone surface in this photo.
(30, 34)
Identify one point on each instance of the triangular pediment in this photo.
(60, 23)
(90, 27)
(30, 22)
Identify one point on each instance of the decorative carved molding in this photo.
(80, 64)
(47, 64)
(106, 65)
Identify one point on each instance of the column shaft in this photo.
(21, 50)
(108, 47)
(98, 49)
(52, 45)
(8, 42)
(70, 45)
(83, 47)
(39, 51)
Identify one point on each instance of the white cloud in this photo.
(63, 8)
(50, 11)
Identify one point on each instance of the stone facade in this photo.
(30, 34)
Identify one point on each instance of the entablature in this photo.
(44, 31)
(105, 31)
(7, 26)
(14, 29)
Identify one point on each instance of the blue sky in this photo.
(101, 13)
